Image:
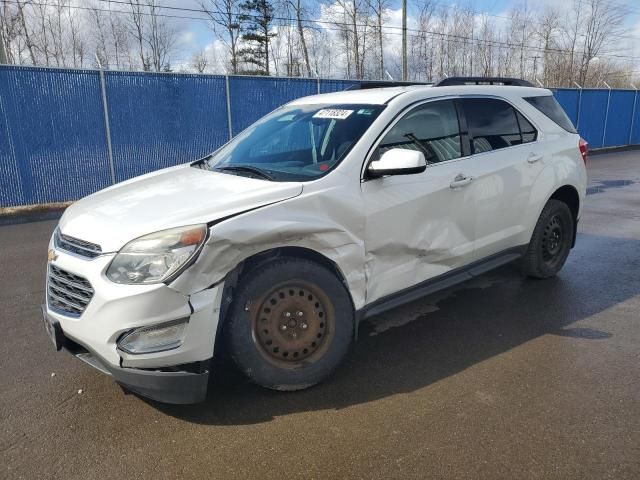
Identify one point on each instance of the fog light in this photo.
(154, 339)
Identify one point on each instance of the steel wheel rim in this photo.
(292, 324)
(552, 239)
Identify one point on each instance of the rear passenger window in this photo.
(431, 128)
(492, 124)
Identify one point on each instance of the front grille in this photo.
(67, 293)
(77, 246)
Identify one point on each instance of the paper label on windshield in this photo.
(335, 113)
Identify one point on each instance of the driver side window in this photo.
(431, 128)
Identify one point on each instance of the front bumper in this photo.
(116, 309)
(181, 384)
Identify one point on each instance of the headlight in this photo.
(157, 257)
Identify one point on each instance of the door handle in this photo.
(460, 181)
(534, 157)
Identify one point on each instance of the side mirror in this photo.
(398, 161)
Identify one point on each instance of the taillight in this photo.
(584, 149)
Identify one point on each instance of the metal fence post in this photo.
(606, 114)
(228, 94)
(633, 115)
(105, 109)
(579, 105)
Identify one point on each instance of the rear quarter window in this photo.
(549, 106)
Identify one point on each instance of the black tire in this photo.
(297, 351)
(551, 241)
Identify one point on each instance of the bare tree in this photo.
(571, 34)
(603, 20)
(379, 10)
(161, 38)
(321, 52)
(99, 30)
(422, 46)
(520, 33)
(300, 11)
(138, 31)
(55, 31)
(42, 35)
(484, 48)
(354, 30)
(77, 42)
(546, 31)
(119, 40)
(223, 16)
(199, 61)
(25, 31)
(10, 29)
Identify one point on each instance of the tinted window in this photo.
(492, 124)
(528, 131)
(552, 109)
(431, 128)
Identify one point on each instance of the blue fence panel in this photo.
(160, 120)
(569, 99)
(635, 127)
(619, 118)
(52, 135)
(254, 97)
(328, 86)
(592, 116)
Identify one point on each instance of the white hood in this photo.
(167, 198)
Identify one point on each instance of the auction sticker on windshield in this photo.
(335, 113)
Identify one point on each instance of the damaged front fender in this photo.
(329, 222)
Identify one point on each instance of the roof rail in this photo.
(518, 82)
(366, 84)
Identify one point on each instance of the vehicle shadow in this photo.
(464, 326)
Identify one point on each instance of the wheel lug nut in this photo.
(283, 327)
(300, 314)
(303, 326)
(287, 314)
(294, 334)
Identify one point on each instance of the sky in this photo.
(193, 35)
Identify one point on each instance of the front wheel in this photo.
(551, 241)
(290, 325)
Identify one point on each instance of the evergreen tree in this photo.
(256, 19)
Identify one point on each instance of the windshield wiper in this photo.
(246, 169)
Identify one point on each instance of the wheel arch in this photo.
(246, 266)
(569, 196)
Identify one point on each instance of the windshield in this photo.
(295, 143)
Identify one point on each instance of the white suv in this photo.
(329, 210)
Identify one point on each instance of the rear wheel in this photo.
(290, 324)
(551, 241)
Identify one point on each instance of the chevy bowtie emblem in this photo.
(52, 255)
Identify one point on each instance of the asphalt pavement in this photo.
(502, 377)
